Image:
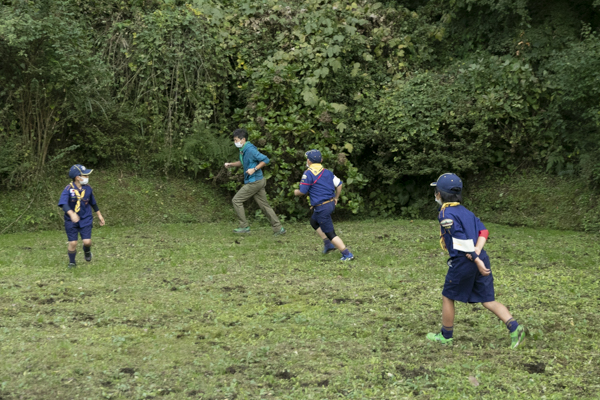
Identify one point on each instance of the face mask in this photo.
(239, 145)
(84, 181)
(439, 201)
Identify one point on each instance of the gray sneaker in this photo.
(282, 231)
(242, 230)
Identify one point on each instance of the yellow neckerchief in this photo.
(444, 206)
(79, 197)
(315, 168)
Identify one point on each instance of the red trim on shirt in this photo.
(484, 233)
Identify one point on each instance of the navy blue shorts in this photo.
(322, 215)
(464, 282)
(73, 230)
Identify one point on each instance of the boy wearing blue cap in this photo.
(324, 189)
(77, 201)
(252, 161)
(469, 278)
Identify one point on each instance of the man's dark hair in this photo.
(451, 197)
(240, 134)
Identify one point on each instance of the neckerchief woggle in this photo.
(79, 197)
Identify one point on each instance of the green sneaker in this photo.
(439, 338)
(281, 232)
(242, 230)
(72, 265)
(517, 337)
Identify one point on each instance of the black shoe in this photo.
(88, 256)
(72, 265)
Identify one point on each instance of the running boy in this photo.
(469, 278)
(252, 161)
(324, 189)
(77, 201)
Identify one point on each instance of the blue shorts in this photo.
(73, 230)
(322, 216)
(464, 282)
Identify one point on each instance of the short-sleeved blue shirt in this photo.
(319, 183)
(460, 223)
(250, 158)
(69, 197)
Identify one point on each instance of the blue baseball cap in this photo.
(77, 170)
(314, 156)
(448, 183)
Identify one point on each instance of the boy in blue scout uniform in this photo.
(253, 162)
(77, 201)
(324, 189)
(469, 278)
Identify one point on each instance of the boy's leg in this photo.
(323, 218)
(72, 235)
(499, 309)
(72, 249)
(245, 193)
(87, 249)
(517, 332)
(261, 199)
(445, 336)
(447, 312)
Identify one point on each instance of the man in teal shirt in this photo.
(252, 161)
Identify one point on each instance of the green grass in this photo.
(125, 199)
(192, 311)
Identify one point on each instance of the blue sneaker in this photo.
(349, 257)
(328, 248)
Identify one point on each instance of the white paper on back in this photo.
(465, 245)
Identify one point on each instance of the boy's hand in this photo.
(251, 169)
(227, 165)
(74, 217)
(482, 268)
(100, 218)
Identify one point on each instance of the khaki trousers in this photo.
(256, 190)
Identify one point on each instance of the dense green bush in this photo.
(393, 93)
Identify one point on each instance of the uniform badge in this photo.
(304, 176)
(446, 223)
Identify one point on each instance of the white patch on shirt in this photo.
(336, 181)
(465, 245)
(304, 177)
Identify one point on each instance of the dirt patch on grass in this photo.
(535, 368)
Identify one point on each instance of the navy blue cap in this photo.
(449, 183)
(77, 170)
(314, 156)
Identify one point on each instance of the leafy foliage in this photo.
(393, 93)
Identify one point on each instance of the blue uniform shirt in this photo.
(250, 158)
(459, 223)
(69, 197)
(319, 183)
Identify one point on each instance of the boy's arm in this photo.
(260, 157)
(233, 164)
(95, 207)
(63, 203)
(480, 243)
(305, 183)
(338, 191)
(337, 182)
(259, 166)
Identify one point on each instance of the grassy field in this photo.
(192, 311)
